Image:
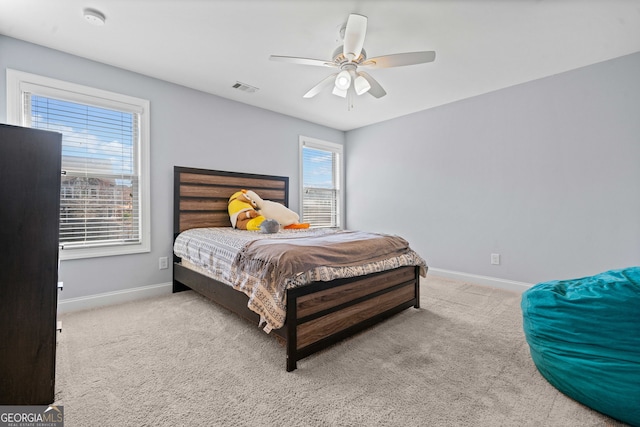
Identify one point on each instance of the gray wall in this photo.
(547, 174)
(188, 128)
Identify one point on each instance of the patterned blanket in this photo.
(264, 266)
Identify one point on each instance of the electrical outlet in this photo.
(163, 263)
(495, 259)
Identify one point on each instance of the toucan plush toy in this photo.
(273, 210)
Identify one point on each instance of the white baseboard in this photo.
(494, 282)
(118, 297)
(110, 298)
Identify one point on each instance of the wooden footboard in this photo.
(323, 313)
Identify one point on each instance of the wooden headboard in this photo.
(200, 196)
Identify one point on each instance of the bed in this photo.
(318, 313)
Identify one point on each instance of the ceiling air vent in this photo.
(244, 87)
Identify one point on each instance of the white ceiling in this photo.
(481, 45)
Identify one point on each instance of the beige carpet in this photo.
(179, 360)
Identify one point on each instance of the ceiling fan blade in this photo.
(327, 81)
(303, 61)
(400, 59)
(376, 90)
(354, 36)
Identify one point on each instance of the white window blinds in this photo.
(321, 196)
(105, 192)
(100, 195)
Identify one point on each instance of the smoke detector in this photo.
(94, 17)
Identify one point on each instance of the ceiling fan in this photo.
(351, 55)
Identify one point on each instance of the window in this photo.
(104, 195)
(322, 182)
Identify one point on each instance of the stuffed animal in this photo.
(273, 210)
(244, 216)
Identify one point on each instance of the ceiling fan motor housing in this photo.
(339, 59)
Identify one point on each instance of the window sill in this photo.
(82, 253)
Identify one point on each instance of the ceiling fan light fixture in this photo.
(339, 92)
(361, 85)
(343, 80)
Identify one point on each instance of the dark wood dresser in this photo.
(29, 219)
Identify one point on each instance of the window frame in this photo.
(19, 82)
(305, 141)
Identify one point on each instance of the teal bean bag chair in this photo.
(584, 338)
